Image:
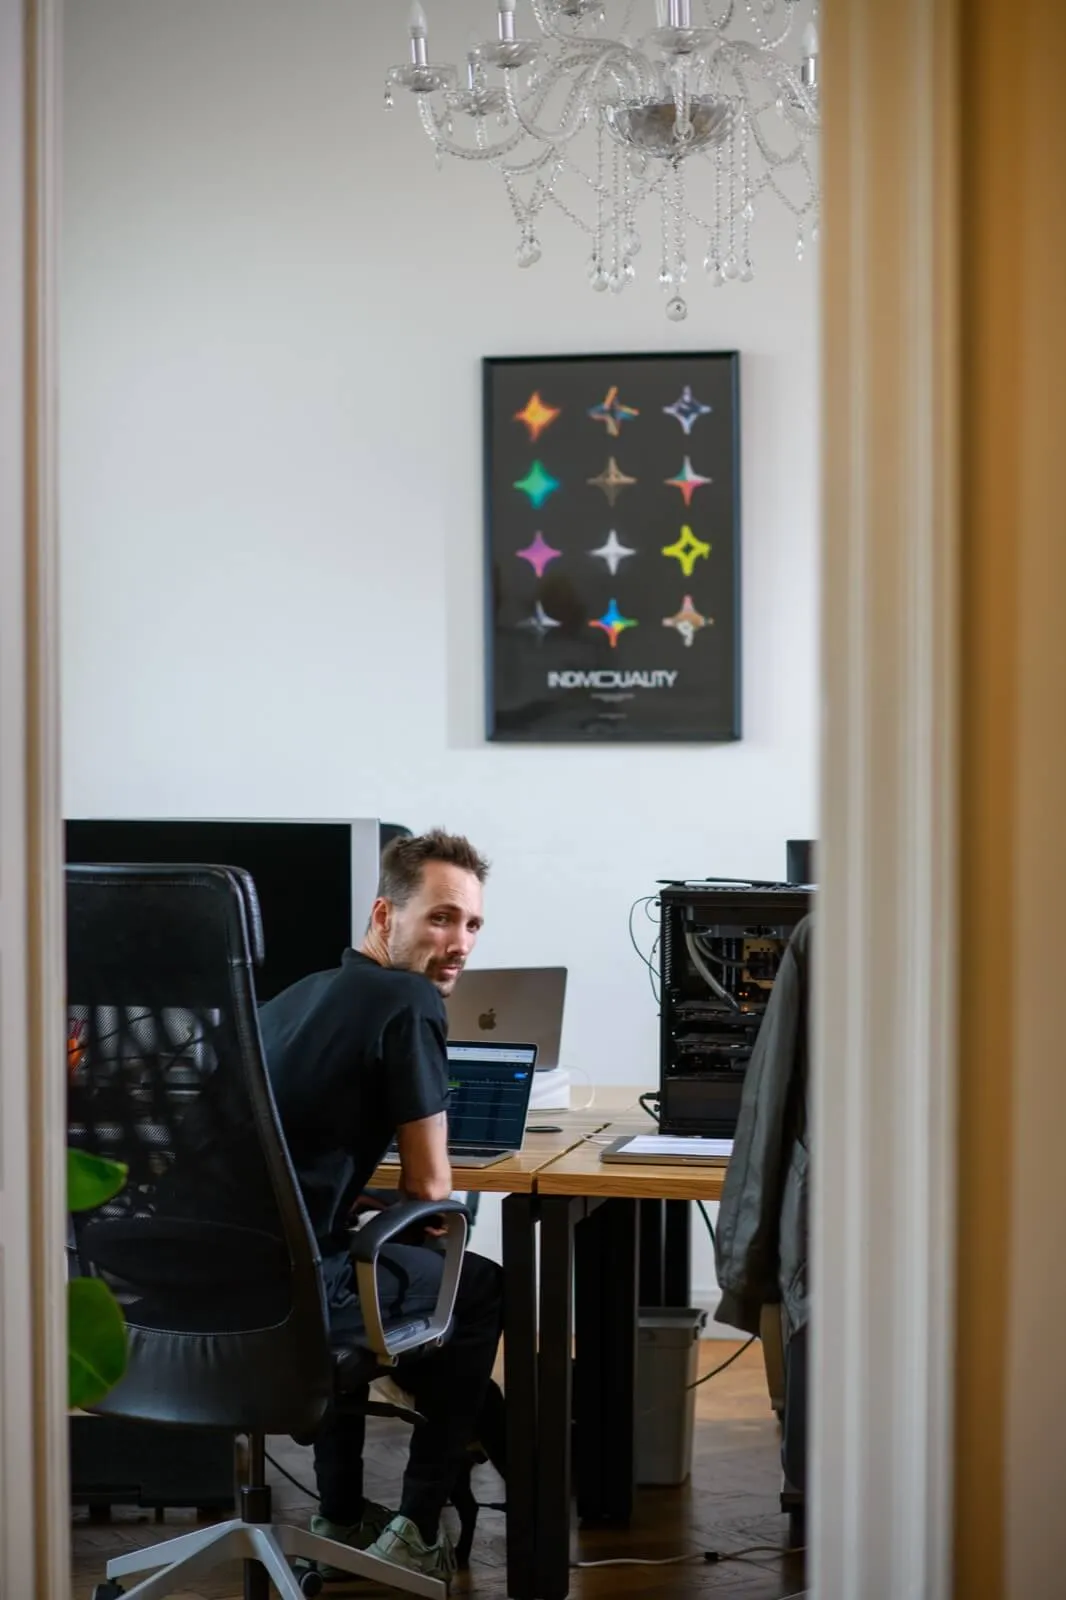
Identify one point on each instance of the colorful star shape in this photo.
(538, 483)
(612, 480)
(536, 416)
(687, 481)
(538, 554)
(687, 549)
(613, 623)
(612, 412)
(540, 622)
(687, 410)
(687, 620)
(613, 552)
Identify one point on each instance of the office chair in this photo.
(208, 1247)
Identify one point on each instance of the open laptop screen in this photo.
(489, 1093)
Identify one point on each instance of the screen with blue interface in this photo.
(489, 1087)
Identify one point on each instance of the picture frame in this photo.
(612, 548)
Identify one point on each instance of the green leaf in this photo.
(91, 1180)
(96, 1340)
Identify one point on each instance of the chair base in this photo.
(176, 1561)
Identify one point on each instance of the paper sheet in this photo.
(665, 1144)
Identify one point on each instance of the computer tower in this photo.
(720, 947)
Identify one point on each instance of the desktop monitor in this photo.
(315, 881)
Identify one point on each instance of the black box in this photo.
(720, 947)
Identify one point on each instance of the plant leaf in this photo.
(91, 1180)
(96, 1340)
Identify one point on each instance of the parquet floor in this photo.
(729, 1505)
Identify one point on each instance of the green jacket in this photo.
(761, 1241)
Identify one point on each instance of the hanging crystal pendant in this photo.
(591, 116)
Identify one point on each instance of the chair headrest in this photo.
(235, 880)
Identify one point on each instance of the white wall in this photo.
(274, 314)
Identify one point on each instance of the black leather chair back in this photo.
(208, 1246)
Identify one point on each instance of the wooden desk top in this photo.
(517, 1175)
(579, 1171)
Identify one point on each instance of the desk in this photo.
(588, 1213)
(588, 1219)
(516, 1179)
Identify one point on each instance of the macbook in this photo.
(511, 1003)
(489, 1087)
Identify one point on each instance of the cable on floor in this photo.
(310, 1493)
(707, 1557)
(707, 1376)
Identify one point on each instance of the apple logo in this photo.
(487, 1019)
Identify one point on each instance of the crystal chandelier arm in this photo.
(576, 102)
(552, 29)
(765, 41)
(738, 54)
(433, 123)
(722, 21)
(580, 97)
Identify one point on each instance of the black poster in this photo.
(612, 548)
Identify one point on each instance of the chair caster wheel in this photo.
(108, 1591)
(311, 1583)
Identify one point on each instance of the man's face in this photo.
(438, 927)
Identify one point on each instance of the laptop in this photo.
(668, 1150)
(489, 1088)
(511, 1003)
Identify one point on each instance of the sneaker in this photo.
(360, 1535)
(402, 1544)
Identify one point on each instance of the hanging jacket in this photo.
(761, 1240)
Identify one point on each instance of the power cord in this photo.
(709, 1558)
(647, 901)
(310, 1493)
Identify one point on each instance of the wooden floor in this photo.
(730, 1505)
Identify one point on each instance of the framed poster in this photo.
(612, 548)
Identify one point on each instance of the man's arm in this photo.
(425, 1171)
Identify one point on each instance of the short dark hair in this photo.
(403, 860)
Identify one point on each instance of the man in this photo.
(356, 1057)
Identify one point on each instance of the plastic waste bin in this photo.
(668, 1342)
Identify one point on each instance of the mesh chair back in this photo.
(208, 1246)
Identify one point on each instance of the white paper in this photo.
(665, 1144)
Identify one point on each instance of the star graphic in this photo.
(612, 480)
(687, 620)
(538, 554)
(612, 412)
(687, 481)
(538, 484)
(687, 549)
(613, 623)
(687, 410)
(613, 552)
(539, 622)
(536, 416)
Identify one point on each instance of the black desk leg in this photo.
(554, 1397)
(651, 1252)
(520, 1391)
(606, 1326)
(676, 1254)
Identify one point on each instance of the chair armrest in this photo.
(365, 1246)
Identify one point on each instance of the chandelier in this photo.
(699, 111)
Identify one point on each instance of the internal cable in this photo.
(707, 975)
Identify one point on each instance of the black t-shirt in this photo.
(352, 1054)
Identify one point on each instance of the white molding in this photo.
(34, 1484)
(883, 1239)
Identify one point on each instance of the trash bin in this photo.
(667, 1367)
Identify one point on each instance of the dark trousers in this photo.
(448, 1385)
